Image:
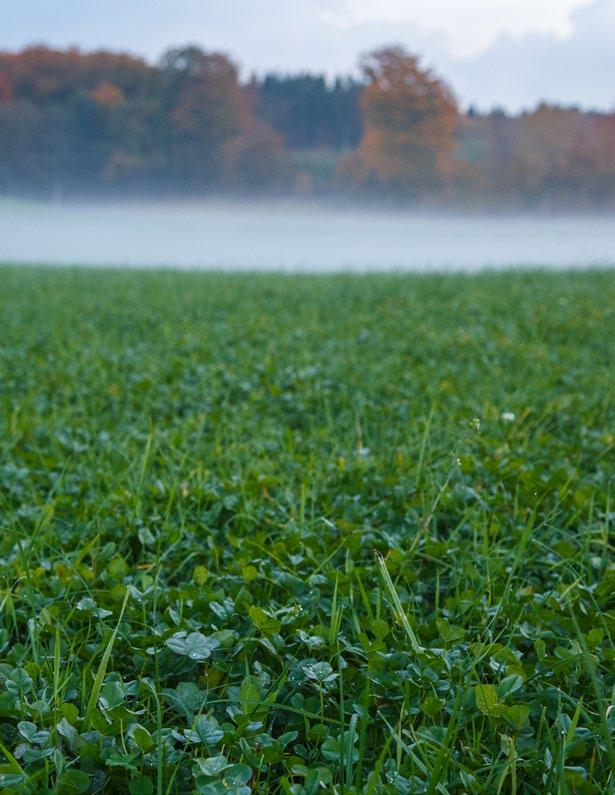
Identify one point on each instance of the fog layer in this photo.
(290, 236)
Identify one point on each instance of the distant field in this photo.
(300, 534)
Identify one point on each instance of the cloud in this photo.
(576, 69)
(470, 25)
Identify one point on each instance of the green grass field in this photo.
(293, 534)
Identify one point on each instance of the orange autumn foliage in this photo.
(409, 118)
(108, 94)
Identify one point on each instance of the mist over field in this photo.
(295, 235)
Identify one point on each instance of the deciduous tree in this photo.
(409, 119)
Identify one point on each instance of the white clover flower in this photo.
(508, 416)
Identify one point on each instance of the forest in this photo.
(75, 123)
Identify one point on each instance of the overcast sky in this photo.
(493, 52)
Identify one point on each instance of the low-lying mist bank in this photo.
(290, 235)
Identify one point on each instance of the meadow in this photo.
(298, 534)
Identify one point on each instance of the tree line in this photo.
(74, 122)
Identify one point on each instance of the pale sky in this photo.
(493, 52)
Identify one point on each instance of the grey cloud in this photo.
(518, 72)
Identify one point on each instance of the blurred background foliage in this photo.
(73, 122)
